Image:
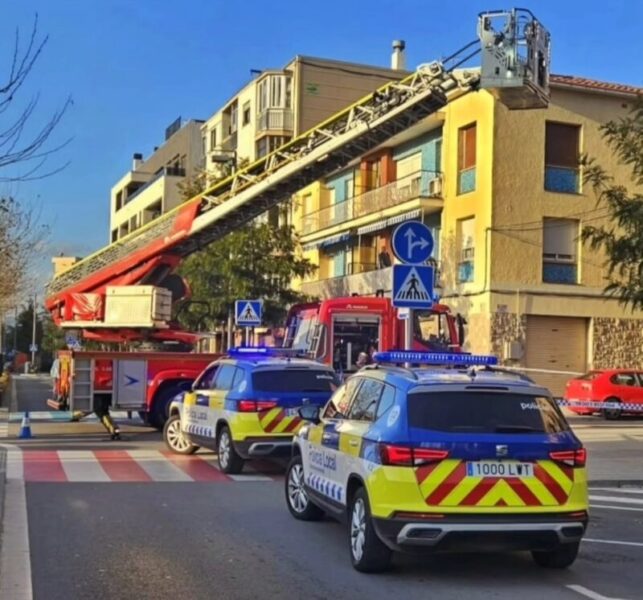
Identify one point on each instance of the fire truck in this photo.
(337, 330)
(125, 292)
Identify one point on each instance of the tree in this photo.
(31, 153)
(622, 238)
(256, 261)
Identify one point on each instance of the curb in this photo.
(3, 480)
(618, 483)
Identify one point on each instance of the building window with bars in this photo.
(560, 255)
(467, 159)
(245, 114)
(466, 249)
(562, 151)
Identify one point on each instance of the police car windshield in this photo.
(484, 412)
(294, 380)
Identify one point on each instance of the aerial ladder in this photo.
(515, 50)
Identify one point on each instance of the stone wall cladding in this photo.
(507, 327)
(617, 343)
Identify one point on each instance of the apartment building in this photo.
(151, 187)
(279, 104)
(504, 195)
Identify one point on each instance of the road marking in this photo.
(589, 593)
(82, 465)
(616, 499)
(614, 542)
(617, 490)
(4, 430)
(15, 564)
(157, 466)
(250, 478)
(616, 507)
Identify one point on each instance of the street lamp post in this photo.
(33, 332)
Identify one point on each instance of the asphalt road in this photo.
(235, 538)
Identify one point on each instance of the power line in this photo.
(521, 226)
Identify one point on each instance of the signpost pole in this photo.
(408, 334)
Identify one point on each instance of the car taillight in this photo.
(255, 405)
(405, 456)
(571, 458)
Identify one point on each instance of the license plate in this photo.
(292, 412)
(500, 469)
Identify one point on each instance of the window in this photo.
(262, 95)
(245, 116)
(225, 377)
(562, 148)
(270, 143)
(238, 377)
(206, 380)
(294, 381)
(363, 408)
(213, 138)
(466, 249)
(484, 412)
(559, 250)
(234, 110)
(340, 263)
(276, 89)
(386, 401)
(467, 159)
(624, 379)
(337, 406)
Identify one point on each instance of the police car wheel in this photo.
(612, 414)
(229, 460)
(560, 558)
(174, 438)
(368, 552)
(297, 499)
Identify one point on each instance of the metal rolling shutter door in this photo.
(557, 344)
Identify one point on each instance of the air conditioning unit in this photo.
(435, 186)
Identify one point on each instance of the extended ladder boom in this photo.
(149, 255)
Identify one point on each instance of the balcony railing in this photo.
(280, 119)
(423, 184)
(360, 267)
(169, 171)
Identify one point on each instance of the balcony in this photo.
(169, 171)
(364, 283)
(420, 185)
(275, 119)
(466, 265)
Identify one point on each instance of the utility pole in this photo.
(33, 332)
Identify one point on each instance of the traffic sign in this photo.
(248, 312)
(412, 242)
(33, 347)
(412, 286)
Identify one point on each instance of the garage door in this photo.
(556, 344)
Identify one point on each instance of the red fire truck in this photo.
(142, 382)
(335, 331)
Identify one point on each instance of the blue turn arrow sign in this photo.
(412, 242)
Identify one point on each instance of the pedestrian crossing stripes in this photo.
(111, 466)
(65, 416)
(623, 498)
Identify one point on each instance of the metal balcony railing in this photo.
(360, 267)
(276, 119)
(422, 184)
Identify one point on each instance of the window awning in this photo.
(372, 227)
(414, 214)
(335, 239)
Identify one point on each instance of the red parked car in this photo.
(622, 386)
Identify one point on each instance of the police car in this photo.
(442, 458)
(245, 406)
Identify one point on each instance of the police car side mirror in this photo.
(309, 413)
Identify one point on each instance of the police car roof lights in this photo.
(253, 352)
(434, 358)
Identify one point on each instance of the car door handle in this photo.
(354, 443)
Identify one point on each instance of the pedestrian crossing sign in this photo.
(248, 312)
(412, 286)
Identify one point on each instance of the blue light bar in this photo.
(261, 351)
(434, 358)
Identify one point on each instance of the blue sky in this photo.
(133, 67)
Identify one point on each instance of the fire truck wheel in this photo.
(174, 438)
(159, 413)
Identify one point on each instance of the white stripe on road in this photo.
(618, 490)
(249, 477)
(589, 593)
(614, 542)
(616, 499)
(15, 468)
(4, 430)
(81, 465)
(616, 507)
(15, 563)
(157, 466)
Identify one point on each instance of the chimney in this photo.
(137, 161)
(398, 59)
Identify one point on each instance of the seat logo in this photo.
(502, 450)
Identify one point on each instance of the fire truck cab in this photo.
(337, 330)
